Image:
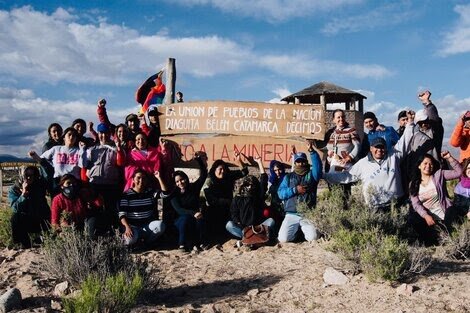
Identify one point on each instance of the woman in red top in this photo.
(74, 206)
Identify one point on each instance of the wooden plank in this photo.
(243, 118)
(224, 147)
(5, 165)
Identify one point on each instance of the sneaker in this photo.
(239, 244)
(204, 247)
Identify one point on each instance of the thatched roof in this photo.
(332, 92)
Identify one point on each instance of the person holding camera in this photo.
(460, 137)
(300, 186)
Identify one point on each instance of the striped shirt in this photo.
(139, 208)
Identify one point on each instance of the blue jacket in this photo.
(288, 192)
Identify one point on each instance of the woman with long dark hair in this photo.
(191, 221)
(430, 200)
(54, 131)
(219, 192)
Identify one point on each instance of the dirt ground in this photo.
(282, 278)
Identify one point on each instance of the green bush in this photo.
(6, 240)
(385, 258)
(74, 256)
(117, 294)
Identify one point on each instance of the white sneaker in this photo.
(239, 243)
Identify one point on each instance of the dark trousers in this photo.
(22, 225)
(429, 235)
(191, 230)
(111, 195)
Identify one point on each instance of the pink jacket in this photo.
(153, 160)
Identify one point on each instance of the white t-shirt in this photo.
(430, 199)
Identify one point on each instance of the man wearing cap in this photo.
(102, 163)
(379, 172)
(376, 130)
(300, 186)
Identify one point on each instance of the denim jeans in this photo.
(290, 225)
(191, 230)
(149, 232)
(236, 231)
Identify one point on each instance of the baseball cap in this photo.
(102, 128)
(421, 116)
(378, 141)
(300, 156)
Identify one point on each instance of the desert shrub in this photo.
(371, 241)
(420, 258)
(384, 258)
(117, 294)
(455, 245)
(6, 240)
(329, 216)
(74, 256)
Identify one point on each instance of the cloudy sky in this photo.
(57, 58)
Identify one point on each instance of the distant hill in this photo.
(12, 158)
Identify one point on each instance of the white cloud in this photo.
(457, 39)
(56, 48)
(385, 15)
(272, 10)
(25, 118)
(281, 93)
(305, 66)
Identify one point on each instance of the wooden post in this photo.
(323, 101)
(170, 81)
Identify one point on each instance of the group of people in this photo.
(118, 177)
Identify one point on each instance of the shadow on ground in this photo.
(205, 293)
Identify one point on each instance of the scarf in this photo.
(301, 170)
(465, 181)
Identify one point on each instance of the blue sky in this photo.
(57, 58)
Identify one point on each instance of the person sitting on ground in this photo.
(55, 137)
(75, 206)
(429, 197)
(374, 130)
(462, 190)
(64, 160)
(300, 187)
(248, 205)
(379, 172)
(277, 171)
(103, 162)
(460, 137)
(27, 199)
(137, 209)
(218, 192)
(190, 220)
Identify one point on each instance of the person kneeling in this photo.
(300, 186)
